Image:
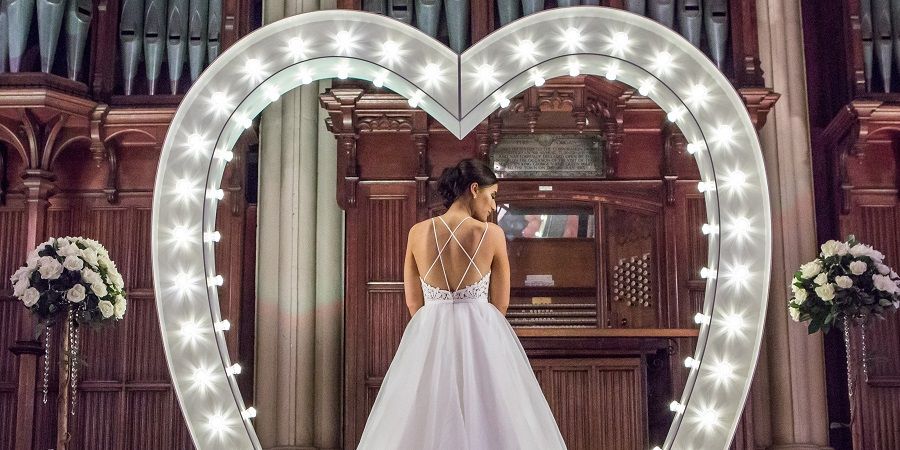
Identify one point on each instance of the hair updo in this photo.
(455, 181)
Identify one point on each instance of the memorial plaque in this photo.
(549, 156)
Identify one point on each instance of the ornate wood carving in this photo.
(759, 101)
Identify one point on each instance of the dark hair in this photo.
(455, 181)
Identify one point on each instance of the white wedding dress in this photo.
(460, 379)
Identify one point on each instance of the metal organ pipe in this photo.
(79, 14)
(131, 27)
(154, 41)
(49, 14)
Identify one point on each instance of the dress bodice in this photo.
(474, 293)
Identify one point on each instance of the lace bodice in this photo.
(475, 292)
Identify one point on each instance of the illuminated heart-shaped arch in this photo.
(460, 91)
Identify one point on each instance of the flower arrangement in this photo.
(848, 280)
(70, 280)
(71, 273)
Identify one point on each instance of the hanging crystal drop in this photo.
(46, 364)
(73, 362)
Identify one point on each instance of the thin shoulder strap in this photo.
(471, 258)
(440, 250)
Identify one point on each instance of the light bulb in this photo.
(234, 369)
(219, 101)
(216, 194)
(574, 69)
(212, 236)
(646, 87)
(344, 41)
(432, 72)
(697, 95)
(693, 148)
(379, 80)
(202, 376)
(415, 99)
(737, 179)
(217, 423)
(226, 155)
(707, 273)
(619, 42)
(244, 121)
(709, 229)
(708, 417)
(485, 73)
(701, 319)
(733, 322)
(191, 331)
(222, 325)
(676, 407)
(612, 72)
(741, 226)
(706, 186)
(572, 37)
(216, 280)
(253, 69)
(525, 49)
(538, 80)
(722, 371)
(675, 114)
(297, 48)
(663, 61)
(691, 362)
(740, 273)
(181, 234)
(390, 52)
(182, 282)
(723, 135)
(195, 143)
(249, 413)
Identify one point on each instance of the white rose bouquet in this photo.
(71, 274)
(847, 280)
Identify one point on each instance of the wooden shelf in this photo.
(552, 291)
(559, 332)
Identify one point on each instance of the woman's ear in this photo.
(473, 188)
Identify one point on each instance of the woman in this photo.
(460, 379)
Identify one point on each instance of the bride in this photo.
(460, 379)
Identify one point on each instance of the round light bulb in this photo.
(222, 325)
(234, 369)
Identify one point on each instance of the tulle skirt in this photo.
(460, 380)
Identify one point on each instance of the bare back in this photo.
(463, 249)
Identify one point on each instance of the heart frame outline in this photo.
(195, 152)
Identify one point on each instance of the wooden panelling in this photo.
(386, 253)
(384, 331)
(583, 393)
(142, 418)
(98, 415)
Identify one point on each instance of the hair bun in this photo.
(455, 181)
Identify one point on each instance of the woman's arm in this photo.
(415, 299)
(499, 290)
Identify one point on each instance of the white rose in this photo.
(62, 242)
(810, 269)
(99, 289)
(117, 280)
(90, 256)
(865, 250)
(76, 294)
(795, 313)
(31, 297)
(826, 292)
(20, 287)
(50, 268)
(800, 295)
(896, 304)
(120, 306)
(882, 269)
(858, 267)
(32, 261)
(883, 283)
(833, 247)
(22, 272)
(821, 279)
(69, 250)
(106, 308)
(73, 263)
(90, 277)
(844, 281)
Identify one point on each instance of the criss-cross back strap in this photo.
(471, 258)
(440, 249)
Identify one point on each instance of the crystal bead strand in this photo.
(73, 367)
(47, 339)
(865, 357)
